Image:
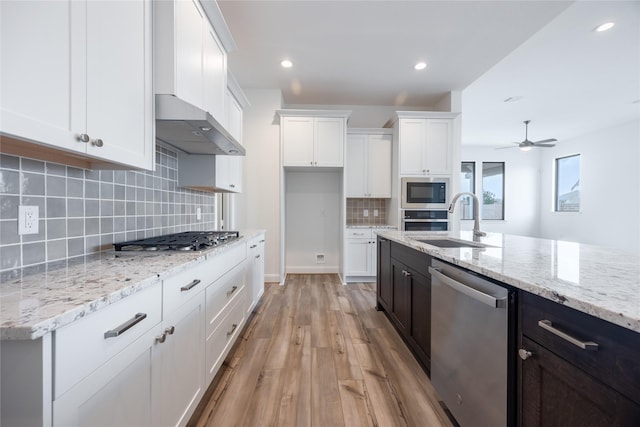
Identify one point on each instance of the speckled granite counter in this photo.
(599, 281)
(35, 304)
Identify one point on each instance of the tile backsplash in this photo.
(356, 211)
(85, 211)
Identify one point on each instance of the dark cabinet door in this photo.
(384, 276)
(421, 316)
(401, 295)
(557, 393)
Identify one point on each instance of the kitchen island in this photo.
(559, 345)
(599, 281)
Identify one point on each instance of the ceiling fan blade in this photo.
(544, 145)
(502, 148)
(542, 141)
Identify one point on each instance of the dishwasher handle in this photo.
(469, 291)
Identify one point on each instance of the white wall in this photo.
(313, 223)
(259, 205)
(522, 189)
(609, 189)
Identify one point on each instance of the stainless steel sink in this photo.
(452, 243)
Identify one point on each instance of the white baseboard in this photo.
(365, 279)
(271, 278)
(313, 269)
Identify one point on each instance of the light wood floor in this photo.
(316, 353)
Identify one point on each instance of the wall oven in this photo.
(425, 193)
(425, 220)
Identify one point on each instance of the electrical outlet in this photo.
(319, 258)
(28, 217)
(375, 212)
(198, 214)
(365, 213)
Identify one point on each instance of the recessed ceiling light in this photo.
(514, 98)
(286, 63)
(604, 27)
(420, 66)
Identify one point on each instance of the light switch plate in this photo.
(28, 219)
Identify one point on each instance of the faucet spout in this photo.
(476, 211)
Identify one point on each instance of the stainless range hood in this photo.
(192, 129)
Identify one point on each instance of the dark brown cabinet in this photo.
(384, 277)
(404, 293)
(563, 384)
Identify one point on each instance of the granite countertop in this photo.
(600, 281)
(32, 305)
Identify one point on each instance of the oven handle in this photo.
(468, 291)
(424, 220)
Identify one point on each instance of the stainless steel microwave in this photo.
(425, 193)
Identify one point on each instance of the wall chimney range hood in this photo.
(191, 129)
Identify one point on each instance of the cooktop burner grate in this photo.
(186, 241)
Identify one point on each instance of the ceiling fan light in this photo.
(526, 148)
(604, 27)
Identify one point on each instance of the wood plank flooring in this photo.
(316, 353)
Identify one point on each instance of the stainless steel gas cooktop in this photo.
(186, 241)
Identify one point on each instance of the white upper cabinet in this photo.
(190, 59)
(368, 165)
(425, 146)
(313, 138)
(77, 76)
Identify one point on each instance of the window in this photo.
(567, 192)
(467, 183)
(492, 190)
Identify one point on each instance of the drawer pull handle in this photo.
(262, 241)
(233, 329)
(121, 329)
(257, 256)
(170, 330)
(190, 286)
(524, 354)
(405, 273)
(253, 246)
(585, 345)
(162, 338)
(232, 290)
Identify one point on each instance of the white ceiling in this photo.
(363, 52)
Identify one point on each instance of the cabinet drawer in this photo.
(414, 259)
(81, 347)
(180, 287)
(222, 292)
(615, 362)
(224, 334)
(359, 233)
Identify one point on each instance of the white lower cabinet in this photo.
(361, 254)
(180, 363)
(144, 361)
(118, 393)
(255, 271)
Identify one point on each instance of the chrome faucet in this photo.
(476, 212)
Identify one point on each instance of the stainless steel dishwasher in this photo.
(469, 345)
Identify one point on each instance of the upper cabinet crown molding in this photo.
(423, 115)
(236, 91)
(213, 12)
(369, 131)
(314, 113)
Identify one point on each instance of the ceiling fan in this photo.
(527, 145)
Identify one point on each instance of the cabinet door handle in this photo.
(232, 185)
(97, 142)
(524, 354)
(170, 330)
(262, 241)
(253, 246)
(121, 329)
(190, 285)
(83, 137)
(405, 273)
(585, 345)
(232, 290)
(257, 256)
(161, 338)
(233, 328)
